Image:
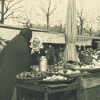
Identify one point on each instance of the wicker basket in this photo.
(86, 59)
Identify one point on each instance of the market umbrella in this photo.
(70, 52)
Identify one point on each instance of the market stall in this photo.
(70, 79)
(83, 86)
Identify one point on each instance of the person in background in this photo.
(59, 54)
(14, 58)
(37, 49)
(51, 55)
(47, 52)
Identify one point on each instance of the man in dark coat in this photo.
(14, 58)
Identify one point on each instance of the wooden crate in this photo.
(90, 87)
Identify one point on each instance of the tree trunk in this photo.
(2, 12)
(78, 30)
(91, 32)
(81, 27)
(47, 22)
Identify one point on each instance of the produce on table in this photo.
(71, 67)
(85, 56)
(32, 74)
(55, 78)
(56, 68)
(96, 63)
(69, 71)
(88, 55)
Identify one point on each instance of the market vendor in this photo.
(14, 58)
(37, 49)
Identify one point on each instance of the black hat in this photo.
(26, 33)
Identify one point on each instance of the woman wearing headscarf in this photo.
(36, 49)
(14, 58)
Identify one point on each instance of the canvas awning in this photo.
(51, 37)
(59, 38)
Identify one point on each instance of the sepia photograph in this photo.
(49, 49)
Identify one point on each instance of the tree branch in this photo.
(5, 5)
(53, 9)
(15, 4)
(41, 7)
(8, 8)
(8, 16)
(49, 4)
(9, 3)
(14, 11)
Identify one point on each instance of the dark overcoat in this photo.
(14, 58)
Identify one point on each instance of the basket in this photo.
(86, 59)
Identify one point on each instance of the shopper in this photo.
(37, 49)
(14, 58)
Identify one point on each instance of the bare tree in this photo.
(82, 20)
(83, 16)
(98, 21)
(98, 18)
(48, 10)
(88, 30)
(60, 27)
(25, 17)
(98, 15)
(9, 8)
(28, 17)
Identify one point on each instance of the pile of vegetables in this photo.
(32, 74)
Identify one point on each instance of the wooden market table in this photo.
(30, 91)
(87, 87)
